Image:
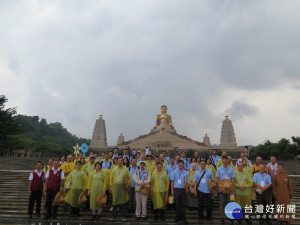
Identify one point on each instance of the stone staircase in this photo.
(14, 199)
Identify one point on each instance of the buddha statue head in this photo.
(163, 109)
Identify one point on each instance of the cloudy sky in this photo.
(69, 61)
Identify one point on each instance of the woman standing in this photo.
(62, 160)
(211, 167)
(96, 186)
(283, 192)
(192, 200)
(126, 162)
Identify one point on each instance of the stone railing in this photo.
(20, 153)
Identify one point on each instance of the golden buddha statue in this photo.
(164, 117)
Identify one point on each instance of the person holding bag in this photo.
(142, 180)
(202, 190)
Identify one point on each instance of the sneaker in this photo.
(123, 219)
(112, 219)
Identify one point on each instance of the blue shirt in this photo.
(142, 174)
(262, 179)
(214, 160)
(106, 165)
(132, 171)
(170, 170)
(186, 163)
(227, 173)
(115, 156)
(179, 178)
(204, 183)
(167, 159)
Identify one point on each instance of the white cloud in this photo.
(70, 61)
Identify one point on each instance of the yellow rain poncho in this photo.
(212, 170)
(89, 168)
(96, 185)
(248, 170)
(159, 187)
(78, 181)
(108, 172)
(220, 163)
(243, 197)
(149, 164)
(117, 183)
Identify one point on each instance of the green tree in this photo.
(8, 122)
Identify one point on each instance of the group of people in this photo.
(172, 181)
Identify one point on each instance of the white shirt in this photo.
(62, 175)
(38, 173)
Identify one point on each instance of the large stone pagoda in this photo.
(99, 135)
(228, 140)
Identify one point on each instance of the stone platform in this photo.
(14, 198)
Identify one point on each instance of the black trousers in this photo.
(181, 200)
(209, 205)
(123, 210)
(50, 197)
(132, 198)
(264, 199)
(75, 210)
(36, 196)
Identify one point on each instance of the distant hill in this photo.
(38, 135)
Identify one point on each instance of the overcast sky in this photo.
(69, 61)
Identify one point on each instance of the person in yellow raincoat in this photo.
(153, 167)
(48, 166)
(192, 200)
(243, 182)
(159, 189)
(78, 182)
(246, 167)
(89, 167)
(96, 185)
(211, 167)
(120, 182)
(149, 162)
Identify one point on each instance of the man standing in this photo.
(54, 183)
(225, 172)
(272, 166)
(242, 155)
(178, 181)
(116, 153)
(185, 161)
(78, 181)
(255, 167)
(119, 190)
(214, 158)
(141, 178)
(169, 170)
(132, 169)
(201, 187)
(159, 190)
(263, 183)
(68, 167)
(126, 154)
(106, 164)
(89, 166)
(35, 189)
(242, 192)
